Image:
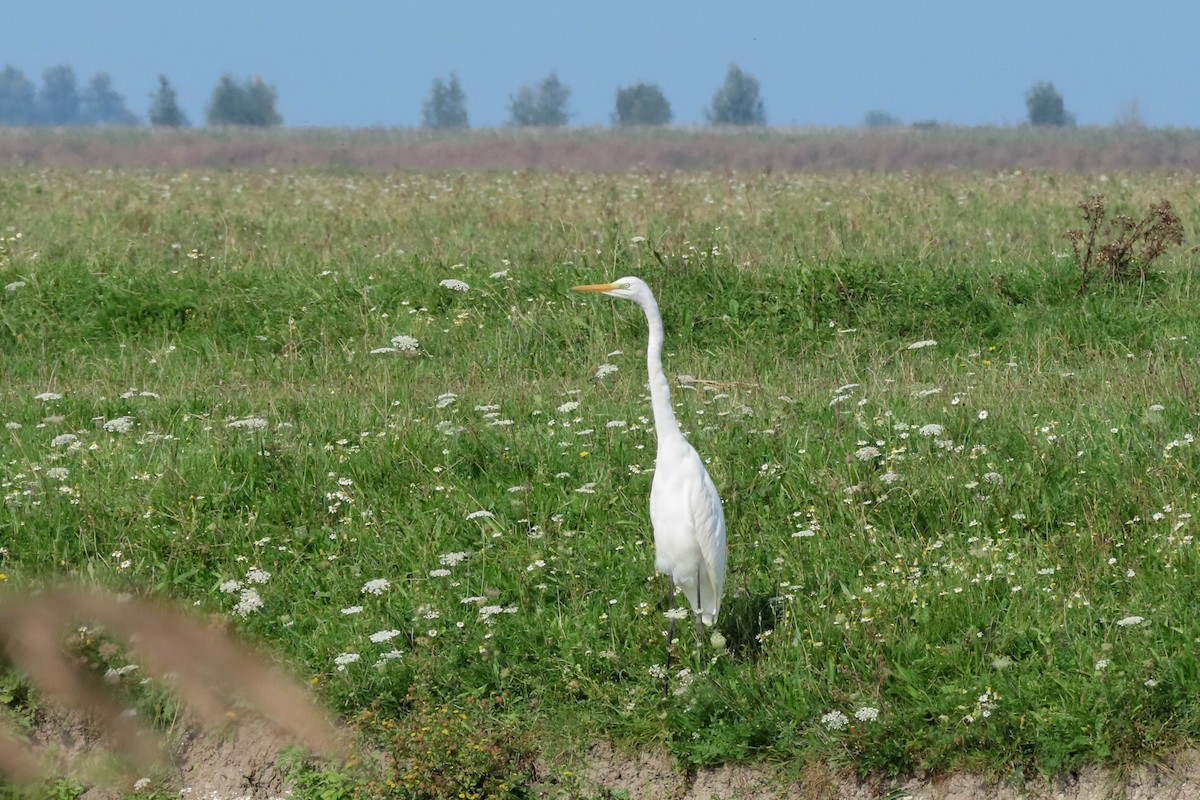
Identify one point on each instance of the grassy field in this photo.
(362, 417)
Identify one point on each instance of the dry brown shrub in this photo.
(1131, 246)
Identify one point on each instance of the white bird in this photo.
(685, 509)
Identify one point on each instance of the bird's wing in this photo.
(708, 524)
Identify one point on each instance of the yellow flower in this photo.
(584, 453)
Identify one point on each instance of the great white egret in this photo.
(685, 509)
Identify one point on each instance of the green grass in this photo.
(891, 545)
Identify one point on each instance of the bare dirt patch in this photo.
(241, 762)
(647, 775)
(237, 762)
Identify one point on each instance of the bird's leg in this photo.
(670, 634)
(699, 623)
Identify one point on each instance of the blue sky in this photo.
(824, 64)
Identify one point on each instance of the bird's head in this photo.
(629, 287)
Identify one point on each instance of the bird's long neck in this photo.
(665, 426)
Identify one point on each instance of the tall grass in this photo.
(959, 494)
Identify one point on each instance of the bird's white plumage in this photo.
(685, 508)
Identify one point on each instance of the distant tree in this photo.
(251, 102)
(58, 99)
(164, 106)
(100, 104)
(737, 102)
(16, 97)
(642, 104)
(880, 119)
(260, 103)
(544, 105)
(1045, 105)
(446, 106)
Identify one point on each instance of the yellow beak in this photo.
(595, 287)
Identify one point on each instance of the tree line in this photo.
(252, 101)
(60, 101)
(737, 101)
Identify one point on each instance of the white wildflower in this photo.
(256, 575)
(249, 602)
(119, 425)
(64, 440)
(1127, 622)
(407, 343)
(116, 673)
(834, 720)
(867, 714)
(248, 423)
(47, 396)
(932, 429)
(684, 679)
(922, 343)
(344, 659)
(390, 655)
(604, 370)
(58, 473)
(568, 407)
(487, 612)
(348, 610)
(377, 586)
(983, 414)
(383, 636)
(453, 559)
(454, 284)
(439, 573)
(866, 453)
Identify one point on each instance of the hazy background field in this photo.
(356, 413)
(607, 150)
